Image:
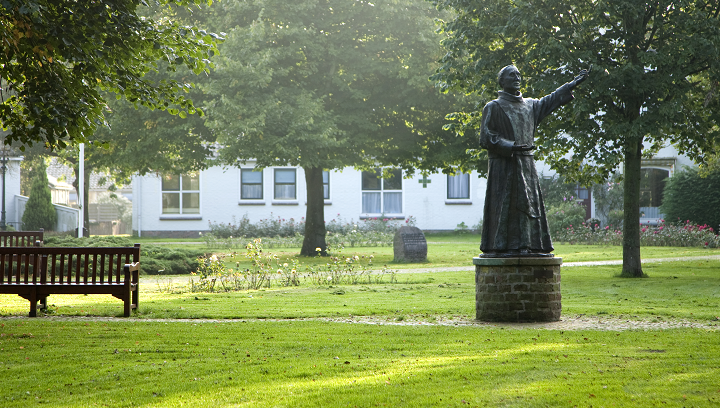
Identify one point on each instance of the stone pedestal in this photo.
(517, 289)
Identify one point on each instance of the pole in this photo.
(81, 193)
(3, 224)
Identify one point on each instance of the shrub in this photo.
(555, 189)
(279, 232)
(39, 210)
(680, 234)
(609, 199)
(689, 196)
(266, 270)
(154, 259)
(565, 215)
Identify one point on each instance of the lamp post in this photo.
(3, 169)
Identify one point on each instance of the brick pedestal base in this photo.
(517, 289)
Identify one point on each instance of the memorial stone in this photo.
(410, 245)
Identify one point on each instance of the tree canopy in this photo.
(57, 57)
(656, 69)
(326, 84)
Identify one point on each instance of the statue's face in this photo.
(510, 80)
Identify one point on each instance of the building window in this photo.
(181, 193)
(326, 184)
(458, 186)
(285, 184)
(581, 193)
(652, 183)
(251, 184)
(381, 195)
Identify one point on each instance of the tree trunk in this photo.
(632, 267)
(315, 214)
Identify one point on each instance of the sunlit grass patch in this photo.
(129, 363)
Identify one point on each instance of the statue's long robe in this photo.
(514, 215)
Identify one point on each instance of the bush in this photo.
(279, 232)
(214, 275)
(688, 196)
(555, 190)
(565, 215)
(681, 234)
(39, 210)
(154, 259)
(609, 200)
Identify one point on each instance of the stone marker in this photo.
(410, 245)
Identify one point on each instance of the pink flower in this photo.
(660, 227)
(607, 227)
(644, 229)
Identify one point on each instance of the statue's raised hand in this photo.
(582, 76)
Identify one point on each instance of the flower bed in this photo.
(679, 234)
(213, 274)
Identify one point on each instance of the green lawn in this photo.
(126, 363)
(286, 346)
(460, 254)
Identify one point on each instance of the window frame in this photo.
(447, 192)
(262, 184)
(276, 184)
(181, 192)
(382, 191)
(326, 185)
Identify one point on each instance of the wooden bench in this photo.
(34, 273)
(21, 238)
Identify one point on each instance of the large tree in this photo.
(327, 84)
(57, 56)
(137, 140)
(656, 67)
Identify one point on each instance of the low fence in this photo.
(67, 217)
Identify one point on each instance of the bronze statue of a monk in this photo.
(514, 221)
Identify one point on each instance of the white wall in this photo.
(220, 202)
(12, 188)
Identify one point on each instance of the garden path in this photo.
(568, 323)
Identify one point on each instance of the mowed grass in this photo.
(688, 290)
(459, 253)
(126, 363)
(288, 346)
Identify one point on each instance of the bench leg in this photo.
(43, 303)
(136, 291)
(127, 299)
(33, 303)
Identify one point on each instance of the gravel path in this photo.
(570, 323)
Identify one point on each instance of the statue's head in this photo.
(509, 79)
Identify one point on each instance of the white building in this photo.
(654, 172)
(184, 205)
(12, 191)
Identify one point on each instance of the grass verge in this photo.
(687, 290)
(304, 363)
